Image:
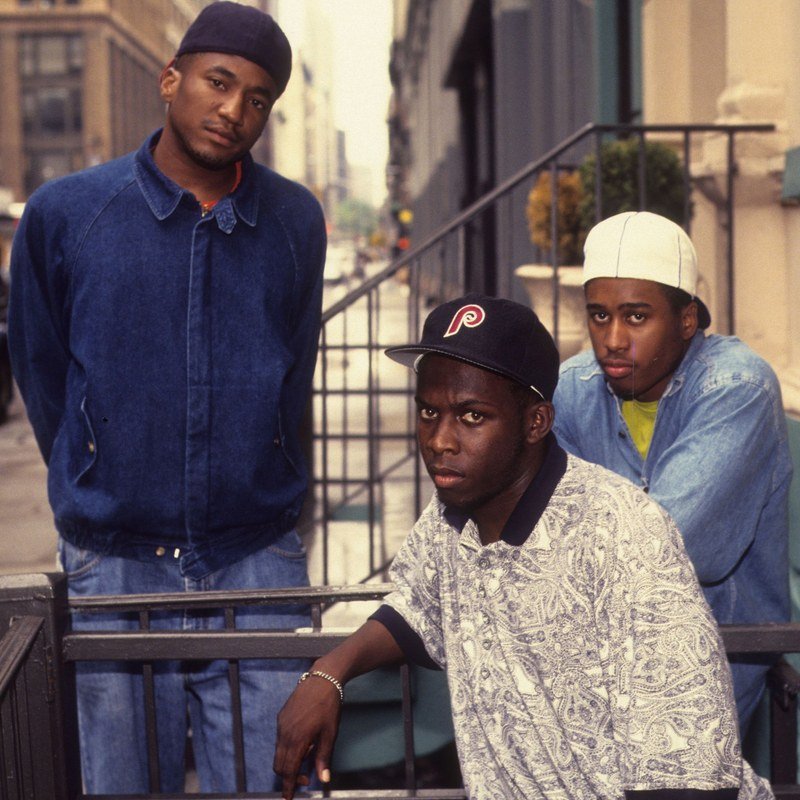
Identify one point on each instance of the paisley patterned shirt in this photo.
(582, 660)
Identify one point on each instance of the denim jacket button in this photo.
(276, 441)
(160, 551)
(91, 447)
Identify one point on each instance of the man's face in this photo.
(218, 106)
(638, 339)
(472, 432)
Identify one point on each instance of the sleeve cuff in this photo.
(406, 637)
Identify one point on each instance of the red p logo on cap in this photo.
(470, 316)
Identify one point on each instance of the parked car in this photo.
(6, 381)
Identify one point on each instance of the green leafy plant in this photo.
(663, 179)
(665, 194)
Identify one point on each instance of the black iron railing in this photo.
(17, 673)
(38, 722)
(367, 487)
(37, 751)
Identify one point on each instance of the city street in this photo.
(27, 535)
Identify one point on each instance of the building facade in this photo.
(308, 146)
(81, 81)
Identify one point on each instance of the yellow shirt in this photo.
(641, 420)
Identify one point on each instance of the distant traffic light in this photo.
(404, 218)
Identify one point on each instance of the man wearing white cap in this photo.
(696, 420)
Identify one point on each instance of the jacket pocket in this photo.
(87, 448)
(295, 460)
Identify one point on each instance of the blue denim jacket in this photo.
(718, 462)
(165, 358)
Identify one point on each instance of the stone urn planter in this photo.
(572, 335)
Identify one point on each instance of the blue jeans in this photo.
(110, 694)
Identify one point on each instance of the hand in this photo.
(309, 721)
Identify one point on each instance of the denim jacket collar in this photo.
(679, 376)
(163, 195)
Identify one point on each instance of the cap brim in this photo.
(409, 355)
(406, 356)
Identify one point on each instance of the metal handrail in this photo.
(24, 766)
(36, 648)
(147, 646)
(532, 168)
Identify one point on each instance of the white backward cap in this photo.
(647, 246)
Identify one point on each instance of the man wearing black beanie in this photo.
(164, 321)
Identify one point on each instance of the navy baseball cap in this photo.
(488, 332)
(227, 27)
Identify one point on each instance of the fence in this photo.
(38, 742)
(37, 715)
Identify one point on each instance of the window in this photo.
(50, 55)
(51, 111)
(51, 73)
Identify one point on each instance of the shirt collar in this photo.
(163, 195)
(534, 500)
(679, 376)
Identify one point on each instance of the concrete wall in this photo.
(737, 61)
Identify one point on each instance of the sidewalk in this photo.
(27, 534)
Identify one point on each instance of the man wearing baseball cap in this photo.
(557, 596)
(694, 419)
(164, 322)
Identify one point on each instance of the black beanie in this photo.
(226, 27)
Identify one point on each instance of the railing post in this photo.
(50, 683)
(729, 206)
(783, 687)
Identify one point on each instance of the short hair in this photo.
(179, 63)
(678, 299)
(524, 395)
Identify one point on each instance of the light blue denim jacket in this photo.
(718, 462)
(165, 358)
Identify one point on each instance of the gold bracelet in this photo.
(339, 687)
